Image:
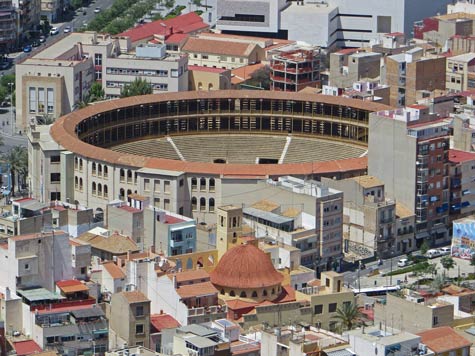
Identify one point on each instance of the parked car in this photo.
(403, 262)
(35, 43)
(42, 39)
(67, 29)
(97, 10)
(445, 251)
(27, 48)
(433, 253)
(54, 31)
(4, 65)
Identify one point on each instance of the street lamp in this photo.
(10, 84)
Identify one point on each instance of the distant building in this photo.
(445, 341)
(463, 240)
(460, 72)
(462, 185)
(350, 66)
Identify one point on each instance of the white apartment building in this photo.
(325, 23)
(53, 81)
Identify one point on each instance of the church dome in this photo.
(245, 267)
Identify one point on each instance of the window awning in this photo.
(422, 235)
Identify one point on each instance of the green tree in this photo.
(46, 119)
(8, 78)
(17, 159)
(138, 87)
(438, 283)
(261, 78)
(349, 316)
(96, 93)
(424, 248)
(76, 4)
(447, 262)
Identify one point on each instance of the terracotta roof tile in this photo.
(163, 321)
(457, 156)
(116, 244)
(114, 270)
(134, 297)
(443, 339)
(203, 45)
(26, 347)
(191, 275)
(71, 286)
(196, 290)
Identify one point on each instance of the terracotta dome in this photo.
(245, 267)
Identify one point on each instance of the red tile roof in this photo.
(163, 321)
(207, 69)
(203, 45)
(177, 38)
(245, 266)
(197, 290)
(27, 347)
(113, 270)
(443, 339)
(191, 275)
(186, 23)
(129, 209)
(394, 34)
(71, 286)
(458, 156)
(417, 106)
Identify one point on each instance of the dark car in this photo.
(27, 48)
(35, 43)
(4, 65)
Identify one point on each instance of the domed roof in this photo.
(245, 267)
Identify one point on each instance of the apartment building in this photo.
(351, 65)
(460, 72)
(369, 217)
(314, 225)
(413, 313)
(53, 81)
(411, 75)
(445, 341)
(329, 24)
(462, 184)
(408, 151)
(295, 67)
(129, 319)
(28, 17)
(8, 28)
(27, 216)
(27, 260)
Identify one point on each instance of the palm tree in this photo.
(17, 159)
(138, 87)
(349, 315)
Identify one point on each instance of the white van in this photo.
(403, 262)
(444, 251)
(433, 253)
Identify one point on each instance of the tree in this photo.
(96, 93)
(447, 262)
(472, 260)
(8, 78)
(424, 248)
(349, 316)
(46, 119)
(438, 283)
(261, 78)
(138, 87)
(76, 4)
(17, 159)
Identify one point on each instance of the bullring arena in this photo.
(192, 139)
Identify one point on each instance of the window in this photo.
(55, 177)
(166, 204)
(55, 159)
(139, 329)
(83, 270)
(194, 204)
(318, 309)
(202, 184)
(243, 294)
(105, 171)
(98, 59)
(202, 204)
(50, 100)
(212, 185)
(174, 73)
(99, 189)
(166, 187)
(211, 205)
(332, 307)
(55, 196)
(80, 183)
(76, 183)
(32, 97)
(156, 186)
(194, 183)
(27, 266)
(139, 310)
(435, 321)
(146, 185)
(204, 56)
(94, 188)
(156, 202)
(41, 100)
(182, 182)
(94, 169)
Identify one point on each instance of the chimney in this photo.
(129, 252)
(152, 249)
(174, 281)
(8, 294)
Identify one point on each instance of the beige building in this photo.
(208, 78)
(129, 319)
(413, 313)
(219, 54)
(458, 72)
(346, 69)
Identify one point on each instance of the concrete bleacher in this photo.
(241, 148)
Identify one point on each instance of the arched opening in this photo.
(106, 171)
(243, 294)
(122, 175)
(210, 86)
(202, 204)
(202, 184)
(129, 176)
(94, 191)
(211, 204)
(210, 260)
(178, 264)
(128, 193)
(232, 294)
(199, 263)
(122, 194)
(76, 182)
(106, 191)
(200, 86)
(222, 291)
(211, 185)
(193, 203)
(194, 183)
(80, 164)
(254, 294)
(99, 189)
(80, 183)
(76, 163)
(99, 169)
(264, 293)
(93, 168)
(273, 291)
